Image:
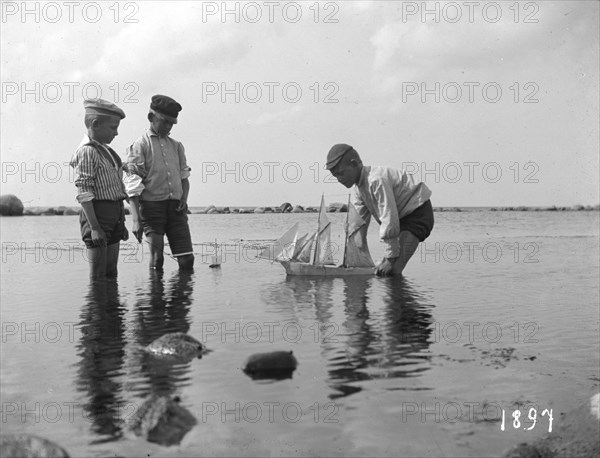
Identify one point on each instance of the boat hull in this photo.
(306, 269)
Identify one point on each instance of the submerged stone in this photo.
(161, 420)
(29, 446)
(177, 345)
(273, 365)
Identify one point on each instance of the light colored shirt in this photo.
(388, 195)
(98, 173)
(156, 166)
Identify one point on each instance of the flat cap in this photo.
(102, 107)
(336, 153)
(166, 107)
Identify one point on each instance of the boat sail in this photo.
(314, 255)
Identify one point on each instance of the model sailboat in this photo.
(313, 255)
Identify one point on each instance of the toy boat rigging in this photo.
(312, 255)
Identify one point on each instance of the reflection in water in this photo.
(105, 370)
(101, 349)
(159, 309)
(383, 332)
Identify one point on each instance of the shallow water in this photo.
(497, 311)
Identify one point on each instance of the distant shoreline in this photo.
(75, 210)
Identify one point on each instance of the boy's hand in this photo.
(385, 268)
(98, 237)
(137, 230)
(182, 206)
(125, 235)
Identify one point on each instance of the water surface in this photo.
(498, 310)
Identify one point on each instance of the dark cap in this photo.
(102, 107)
(336, 153)
(165, 107)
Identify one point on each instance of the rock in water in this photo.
(161, 420)
(28, 446)
(277, 365)
(11, 205)
(286, 207)
(176, 345)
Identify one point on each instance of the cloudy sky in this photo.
(490, 103)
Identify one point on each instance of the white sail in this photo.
(290, 250)
(357, 251)
(298, 245)
(323, 252)
(305, 249)
(272, 252)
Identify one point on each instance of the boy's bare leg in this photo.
(112, 258)
(408, 246)
(97, 258)
(157, 245)
(186, 262)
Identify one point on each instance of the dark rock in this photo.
(268, 210)
(226, 210)
(286, 207)
(337, 207)
(59, 211)
(10, 205)
(28, 446)
(273, 365)
(177, 346)
(161, 420)
(524, 451)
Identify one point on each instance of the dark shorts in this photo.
(161, 218)
(110, 216)
(419, 222)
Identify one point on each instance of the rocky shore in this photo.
(11, 205)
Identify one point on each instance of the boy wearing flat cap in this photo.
(99, 181)
(399, 204)
(158, 187)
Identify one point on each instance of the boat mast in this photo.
(346, 230)
(316, 253)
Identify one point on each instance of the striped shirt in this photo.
(156, 166)
(389, 195)
(98, 172)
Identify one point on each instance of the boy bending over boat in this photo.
(399, 204)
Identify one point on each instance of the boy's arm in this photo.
(388, 214)
(135, 168)
(185, 184)
(84, 163)
(98, 235)
(364, 213)
(137, 229)
(184, 171)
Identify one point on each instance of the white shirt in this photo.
(389, 195)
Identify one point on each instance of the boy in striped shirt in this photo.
(98, 177)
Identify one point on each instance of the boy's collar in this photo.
(153, 133)
(364, 175)
(87, 139)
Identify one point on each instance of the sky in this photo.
(488, 103)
